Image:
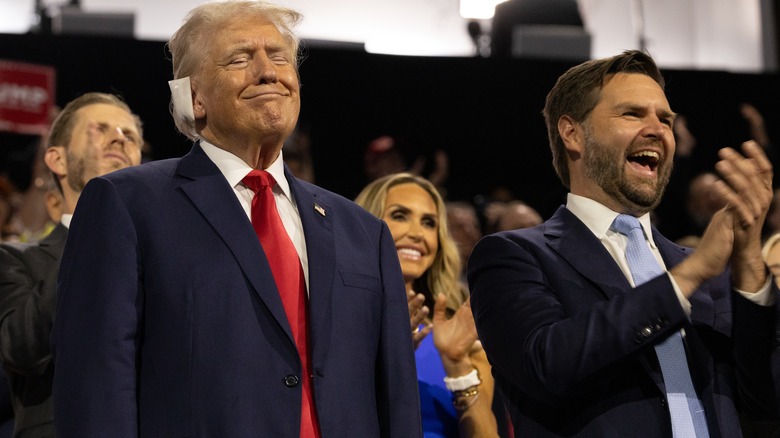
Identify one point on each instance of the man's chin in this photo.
(112, 167)
(645, 200)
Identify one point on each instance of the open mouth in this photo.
(646, 159)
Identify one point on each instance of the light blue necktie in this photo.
(688, 419)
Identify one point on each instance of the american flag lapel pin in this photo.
(319, 210)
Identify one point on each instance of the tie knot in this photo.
(257, 179)
(625, 223)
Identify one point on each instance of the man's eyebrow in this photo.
(641, 108)
(238, 48)
(668, 113)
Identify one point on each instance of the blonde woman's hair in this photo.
(443, 275)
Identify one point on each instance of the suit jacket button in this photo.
(291, 380)
(647, 331)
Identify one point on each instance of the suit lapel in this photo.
(54, 243)
(208, 190)
(317, 222)
(576, 244)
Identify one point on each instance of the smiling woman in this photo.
(455, 383)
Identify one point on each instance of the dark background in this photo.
(484, 112)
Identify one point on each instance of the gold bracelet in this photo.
(468, 392)
(461, 404)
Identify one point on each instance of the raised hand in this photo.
(455, 337)
(418, 311)
(746, 185)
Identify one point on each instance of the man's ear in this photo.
(573, 136)
(199, 111)
(56, 159)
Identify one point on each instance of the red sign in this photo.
(26, 97)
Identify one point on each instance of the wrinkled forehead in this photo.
(253, 28)
(105, 113)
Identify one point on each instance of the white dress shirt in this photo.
(235, 169)
(65, 219)
(598, 218)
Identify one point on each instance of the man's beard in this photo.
(77, 169)
(605, 166)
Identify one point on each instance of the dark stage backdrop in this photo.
(485, 113)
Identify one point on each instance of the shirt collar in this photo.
(235, 169)
(65, 219)
(598, 217)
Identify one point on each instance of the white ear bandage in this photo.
(181, 92)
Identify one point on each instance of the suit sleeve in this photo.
(552, 332)
(96, 327)
(754, 343)
(26, 312)
(397, 393)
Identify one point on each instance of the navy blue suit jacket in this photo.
(571, 343)
(169, 323)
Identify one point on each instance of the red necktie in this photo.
(288, 274)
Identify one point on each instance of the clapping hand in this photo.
(418, 311)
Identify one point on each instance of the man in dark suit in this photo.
(94, 134)
(571, 337)
(169, 321)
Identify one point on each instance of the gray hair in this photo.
(188, 44)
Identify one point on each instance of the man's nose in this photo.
(116, 137)
(656, 127)
(265, 70)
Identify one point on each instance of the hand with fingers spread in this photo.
(418, 311)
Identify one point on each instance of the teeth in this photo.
(649, 154)
(648, 158)
(409, 252)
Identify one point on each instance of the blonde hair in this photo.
(443, 275)
(189, 43)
